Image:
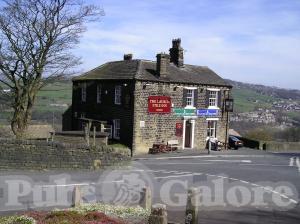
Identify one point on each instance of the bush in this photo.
(18, 220)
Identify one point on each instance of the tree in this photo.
(36, 39)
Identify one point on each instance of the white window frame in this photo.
(99, 89)
(118, 94)
(83, 92)
(213, 128)
(213, 99)
(190, 97)
(190, 94)
(117, 128)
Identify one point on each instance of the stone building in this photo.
(149, 102)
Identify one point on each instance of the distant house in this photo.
(148, 102)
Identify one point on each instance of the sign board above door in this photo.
(184, 112)
(159, 104)
(207, 112)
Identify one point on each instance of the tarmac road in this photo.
(243, 186)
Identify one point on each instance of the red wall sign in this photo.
(179, 129)
(159, 104)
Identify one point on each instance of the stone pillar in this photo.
(146, 198)
(158, 214)
(192, 206)
(76, 199)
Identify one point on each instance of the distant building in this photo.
(148, 102)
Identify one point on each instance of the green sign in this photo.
(184, 112)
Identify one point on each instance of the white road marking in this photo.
(295, 161)
(201, 156)
(262, 164)
(298, 164)
(81, 184)
(174, 176)
(230, 161)
(186, 163)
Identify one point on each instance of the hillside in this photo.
(270, 91)
(54, 99)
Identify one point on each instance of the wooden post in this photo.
(192, 206)
(94, 136)
(87, 134)
(146, 198)
(52, 136)
(158, 214)
(76, 199)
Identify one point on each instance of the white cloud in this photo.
(248, 44)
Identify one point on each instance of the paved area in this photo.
(233, 185)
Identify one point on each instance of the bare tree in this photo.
(36, 39)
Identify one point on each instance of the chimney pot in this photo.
(127, 57)
(176, 53)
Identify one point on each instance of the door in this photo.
(188, 134)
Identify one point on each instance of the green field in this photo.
(51, 102)
(246, 100)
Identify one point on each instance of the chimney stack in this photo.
(176, 53)
(127, 57)
(162, 64)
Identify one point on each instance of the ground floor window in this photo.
(212, 129)
(117, 128)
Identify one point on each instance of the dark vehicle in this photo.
(234, 142)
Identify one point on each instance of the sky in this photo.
(254, 41)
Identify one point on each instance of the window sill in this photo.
(190, 107)
(214, 107)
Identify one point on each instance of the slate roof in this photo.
(146, 71)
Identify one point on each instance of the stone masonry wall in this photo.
(50, 155)
(161, 127)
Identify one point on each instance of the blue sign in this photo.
(207, 112)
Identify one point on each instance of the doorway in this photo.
(188, 134)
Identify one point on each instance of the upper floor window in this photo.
(213, 99)
(118, 91)
(83, 92)
(190, 97)
(98, 93)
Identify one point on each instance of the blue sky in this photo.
(255, 41)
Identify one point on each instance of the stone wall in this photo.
(161, 127)
(282, 146)
(38, 155)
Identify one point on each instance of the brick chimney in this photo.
(162, 64)
(176, 53)
(127, 57)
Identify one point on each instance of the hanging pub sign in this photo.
(159, 104)
(179, 129)
(207, 112)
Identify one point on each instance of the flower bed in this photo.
(85, 214)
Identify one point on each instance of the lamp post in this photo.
(228, 108)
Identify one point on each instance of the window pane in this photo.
(118, 95)
(98, 93)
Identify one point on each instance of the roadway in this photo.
(243, 186)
